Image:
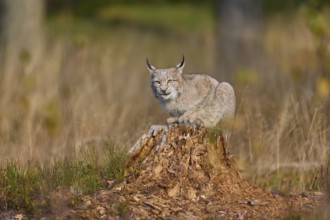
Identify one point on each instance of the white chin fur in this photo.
(171, 96)
(166, 97)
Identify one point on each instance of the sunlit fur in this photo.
(192, 98)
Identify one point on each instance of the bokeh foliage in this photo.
(92, 82)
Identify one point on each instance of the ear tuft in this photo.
(151, 68)
(180, 65)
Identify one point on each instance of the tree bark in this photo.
(21, 36)
(238, 36)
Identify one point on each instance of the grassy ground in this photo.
(31, 188)
(92, 84)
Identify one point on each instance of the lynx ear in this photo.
(180, 66)
(151, 68)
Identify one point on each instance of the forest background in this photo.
(73, 78)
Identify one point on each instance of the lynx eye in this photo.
(170, 81)
(157, 82)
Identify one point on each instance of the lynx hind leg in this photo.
(226, 99)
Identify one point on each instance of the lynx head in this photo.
(166, 83)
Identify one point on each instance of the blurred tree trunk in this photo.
(238, 36)
(21, 49)
(21, 37)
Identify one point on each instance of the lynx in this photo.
(194, 99)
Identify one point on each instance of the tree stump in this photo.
(187, 173)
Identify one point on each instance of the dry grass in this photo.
(91, 86)
(86, 88)
(282, 123)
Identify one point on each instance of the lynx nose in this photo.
(163, 90)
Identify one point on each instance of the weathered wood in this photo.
(21, 34)
(186, 172)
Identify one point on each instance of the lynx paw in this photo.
(190, 121)
(183, 120)
(171, 120)
(199, 123)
